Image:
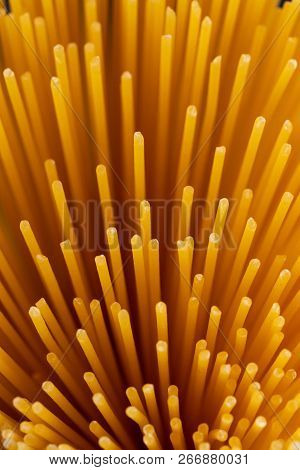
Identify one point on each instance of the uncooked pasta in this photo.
(150, 203)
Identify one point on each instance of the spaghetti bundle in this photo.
(150, 203)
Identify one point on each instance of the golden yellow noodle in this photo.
(150, 204)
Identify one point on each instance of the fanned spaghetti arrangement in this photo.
(150, 203)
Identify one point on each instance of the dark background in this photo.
(281, 2)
